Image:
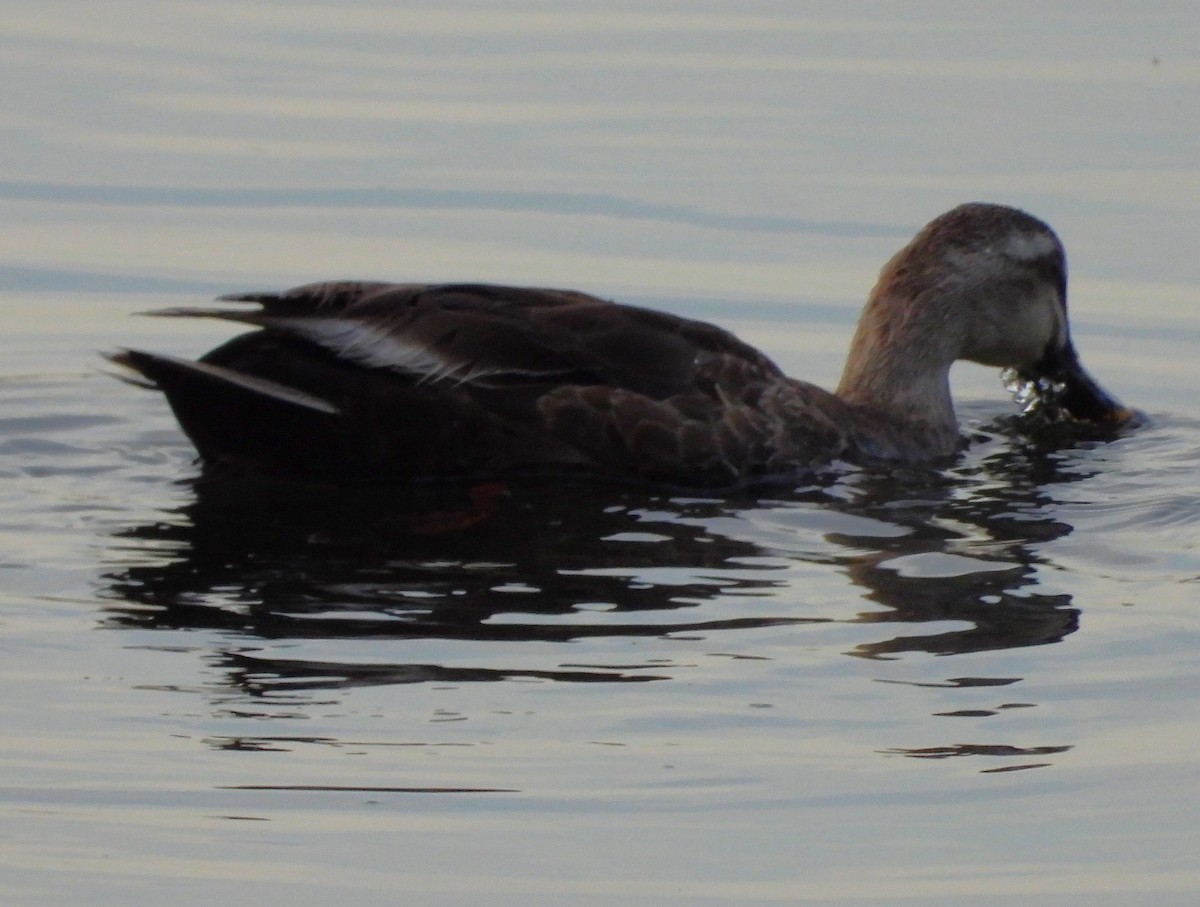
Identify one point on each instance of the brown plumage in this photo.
(353, 380)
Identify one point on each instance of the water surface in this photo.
(972, 683)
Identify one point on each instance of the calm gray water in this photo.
(974, 684)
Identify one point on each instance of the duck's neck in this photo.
(899, 366)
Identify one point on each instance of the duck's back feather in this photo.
(493, 334)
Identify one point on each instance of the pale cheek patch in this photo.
(1035, 326)
(1038, 323)
(1020, 339)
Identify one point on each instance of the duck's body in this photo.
(375, 380)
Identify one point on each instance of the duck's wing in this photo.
(491, 335)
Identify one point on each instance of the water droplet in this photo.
(1031, 394)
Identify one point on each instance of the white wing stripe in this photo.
(376, 347)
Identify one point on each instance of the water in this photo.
(974, 684)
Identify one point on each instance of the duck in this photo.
(357, 380)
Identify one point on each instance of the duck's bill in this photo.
(1068, 388)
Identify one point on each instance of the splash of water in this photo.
(1032, 394)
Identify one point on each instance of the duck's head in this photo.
(995, 280)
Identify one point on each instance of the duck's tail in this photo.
(232, 416)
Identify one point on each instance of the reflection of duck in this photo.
(405, 380)
(564, 561)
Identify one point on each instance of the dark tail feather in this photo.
(231, 416)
